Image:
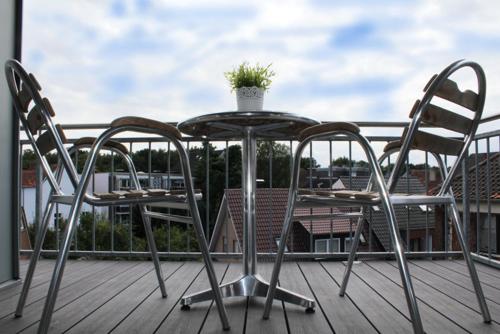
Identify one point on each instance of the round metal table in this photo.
(248, 126)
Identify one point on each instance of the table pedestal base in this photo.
(249, 286)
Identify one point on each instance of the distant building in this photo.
(100, 182)
(328, 235)
(486, 179)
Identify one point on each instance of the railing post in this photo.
(465, 198)
(38, 196)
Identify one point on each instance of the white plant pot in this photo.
(250, 98)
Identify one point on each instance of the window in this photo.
(327, 245)
(347, 244)
(224, 243)
(278, 243)
(236, 246)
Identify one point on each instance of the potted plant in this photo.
(250, 83)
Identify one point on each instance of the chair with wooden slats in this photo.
(469, 105)
(463, 121)
(36, 116)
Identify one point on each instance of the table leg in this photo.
(249, 186)
(250, 284)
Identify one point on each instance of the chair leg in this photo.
(59, 269)
(200, 235)
(152, 248)
(287, 227)
(411, 299)
(285, 232)
(352, 255)
(40, 237)
(470, 264)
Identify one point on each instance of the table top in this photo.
(233, 124)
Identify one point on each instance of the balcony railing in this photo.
(115, 231)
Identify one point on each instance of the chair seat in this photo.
(123, 197)
(353, 197)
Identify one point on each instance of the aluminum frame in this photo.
(445, 192)
(13, 68)
(234, 124)
(388, 209)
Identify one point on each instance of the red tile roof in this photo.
(337, 225)
(28, 178)
(493, 182)
(271, 207)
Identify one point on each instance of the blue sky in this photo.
(335, 60)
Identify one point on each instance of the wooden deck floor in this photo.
(122, 297)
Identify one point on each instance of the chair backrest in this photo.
(463, 120)
(36, 115)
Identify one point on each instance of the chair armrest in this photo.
(392, 145)
(147, 124)
(110, 144)
(328, 127)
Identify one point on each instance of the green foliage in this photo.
(249, 76)
(178, 235)
(345, 162)
(278, 155)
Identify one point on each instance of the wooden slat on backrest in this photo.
(35, 118)
(24, 95)
(24, 99)
(440, 117)
(449, 91)
(45, 143)
(433, 143)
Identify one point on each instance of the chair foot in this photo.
(18, 315)
(310, 310)
(185, 308)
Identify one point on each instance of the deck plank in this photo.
(481, 267)
(236, 308)
(455, 292)
(380, 312)
(255, 323)
(460, 278)
(291, 278)
(33, 311)
(42, 275)
(456, 312)
(149, 314)
(485, 278)
(392, 291)
(123, 297)
(178, 321)
(75, 304)
(126, 301)
(343, 315)
(73, 275)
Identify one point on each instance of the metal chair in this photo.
(343, 198)
(36, 115)
(423, 111)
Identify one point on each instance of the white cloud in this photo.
(176, 51)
